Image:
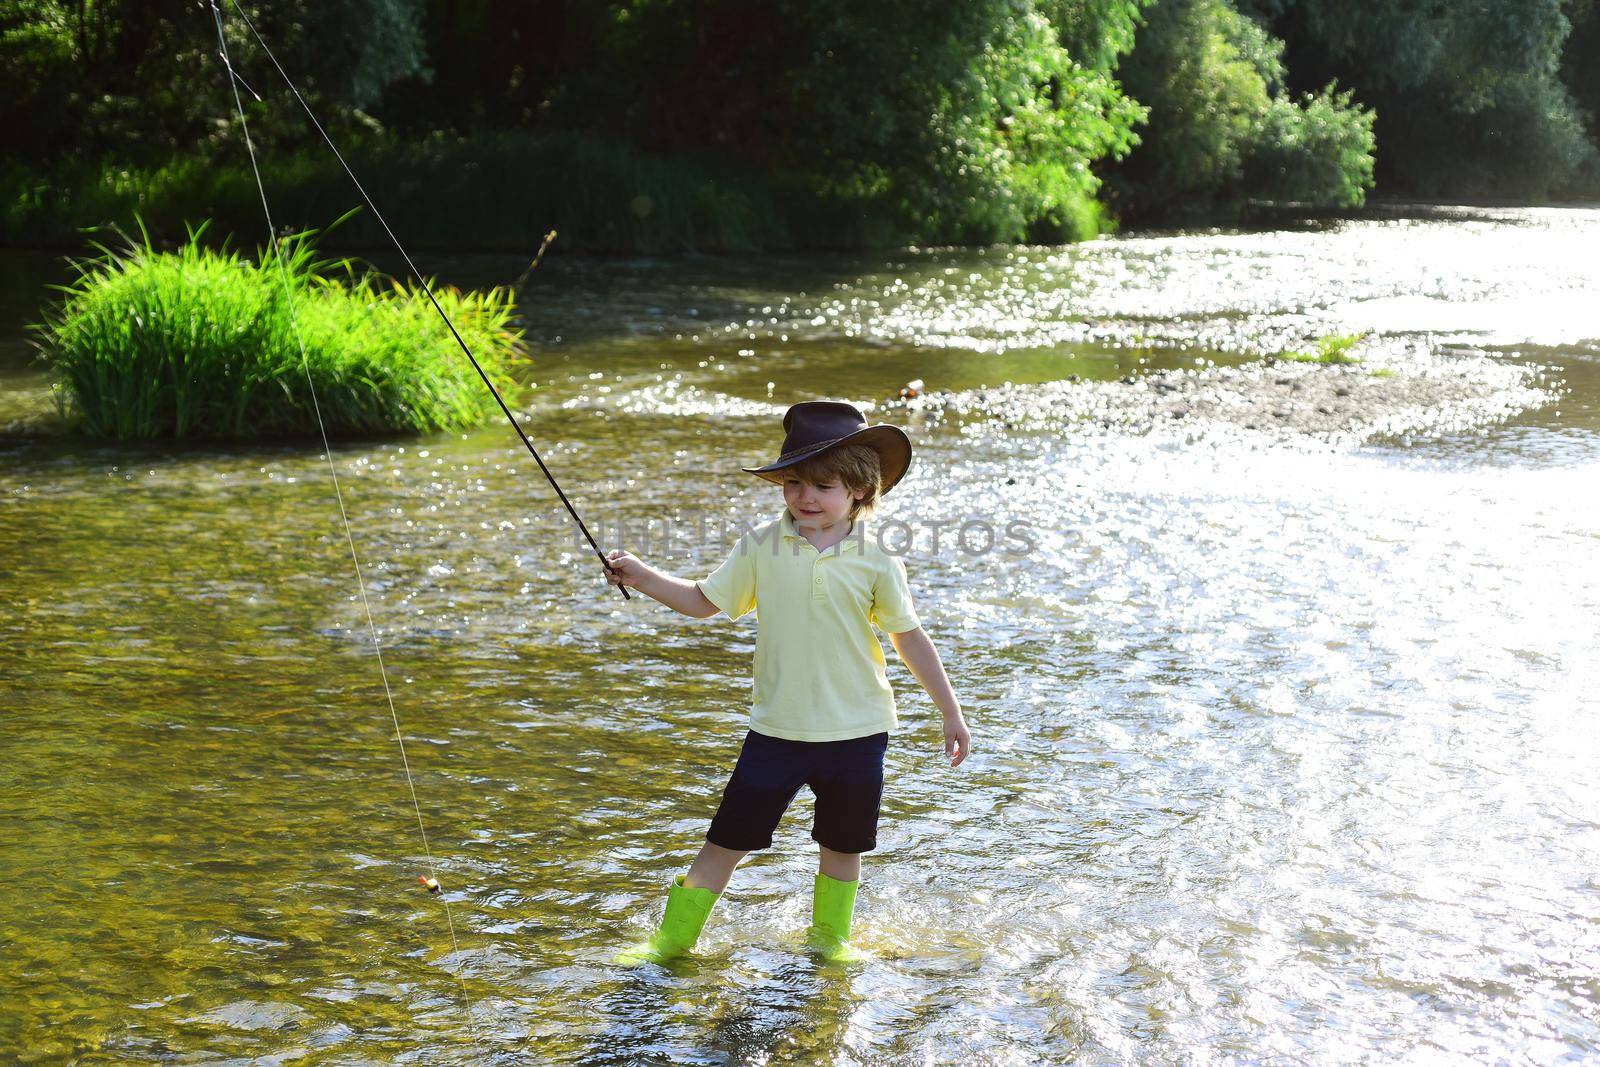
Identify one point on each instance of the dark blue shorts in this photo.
(846, 776)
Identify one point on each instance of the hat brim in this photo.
(892, 445)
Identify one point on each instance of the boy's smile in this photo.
(816, 507)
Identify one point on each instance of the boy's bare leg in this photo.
(840, 866)
(713, 867)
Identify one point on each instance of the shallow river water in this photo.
(1285, 747)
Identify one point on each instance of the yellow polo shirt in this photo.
(820, 674)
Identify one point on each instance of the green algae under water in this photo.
(1283, 751)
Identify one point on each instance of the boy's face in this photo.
(818, 505)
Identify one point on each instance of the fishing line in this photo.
(432, 881)
(235, 75)
(515, 425)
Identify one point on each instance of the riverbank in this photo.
(504, 194)
(501, 193)
(493, 193)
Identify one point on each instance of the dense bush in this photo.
(493, 192)
(1013, 160)
(203, 343)
(720, 124)
(132, 80)
(1317, 150)
(1580, 66)
(832, 121)
(1222, 130)
(1527, 143)
(1471, 99)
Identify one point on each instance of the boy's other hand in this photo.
(625, 568)
(957, 740)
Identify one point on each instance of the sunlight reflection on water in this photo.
(1285, 748)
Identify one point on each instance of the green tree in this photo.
(1467, 96)
(961, 121)
(1580, 62)
(133, 80)
(1221, 128)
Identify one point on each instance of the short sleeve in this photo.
(892, 610)
(732, 586)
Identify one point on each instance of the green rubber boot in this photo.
(687, 908)
(832, 904)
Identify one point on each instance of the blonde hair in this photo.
(856, 467)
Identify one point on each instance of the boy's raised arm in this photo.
(679, 594)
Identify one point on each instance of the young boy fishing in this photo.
(822, 708)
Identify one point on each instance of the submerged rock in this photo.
(253, 1015)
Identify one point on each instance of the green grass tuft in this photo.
(1330, 349)
(200, 343)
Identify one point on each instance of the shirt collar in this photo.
(787, 529)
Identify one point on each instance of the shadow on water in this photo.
(705, 1012)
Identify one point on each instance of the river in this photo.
(1285, 742)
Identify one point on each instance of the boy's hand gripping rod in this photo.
(515, 425)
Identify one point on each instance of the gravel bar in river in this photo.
(1350, 402)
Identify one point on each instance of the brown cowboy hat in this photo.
(813, 427)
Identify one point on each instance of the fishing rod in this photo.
(515, 425)
(431, 879)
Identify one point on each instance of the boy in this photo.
(822, 707)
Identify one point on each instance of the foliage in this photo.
(895, 121)
(202, 343)
(355, 67)
(1317, 150)
(1221, 130)
(767, 123)
(494, 192)
(1095, 33)
(134, 79)
(1334, 348)
(1022, 139)
(1468, 97)
(1580, 62)
(965, 122)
